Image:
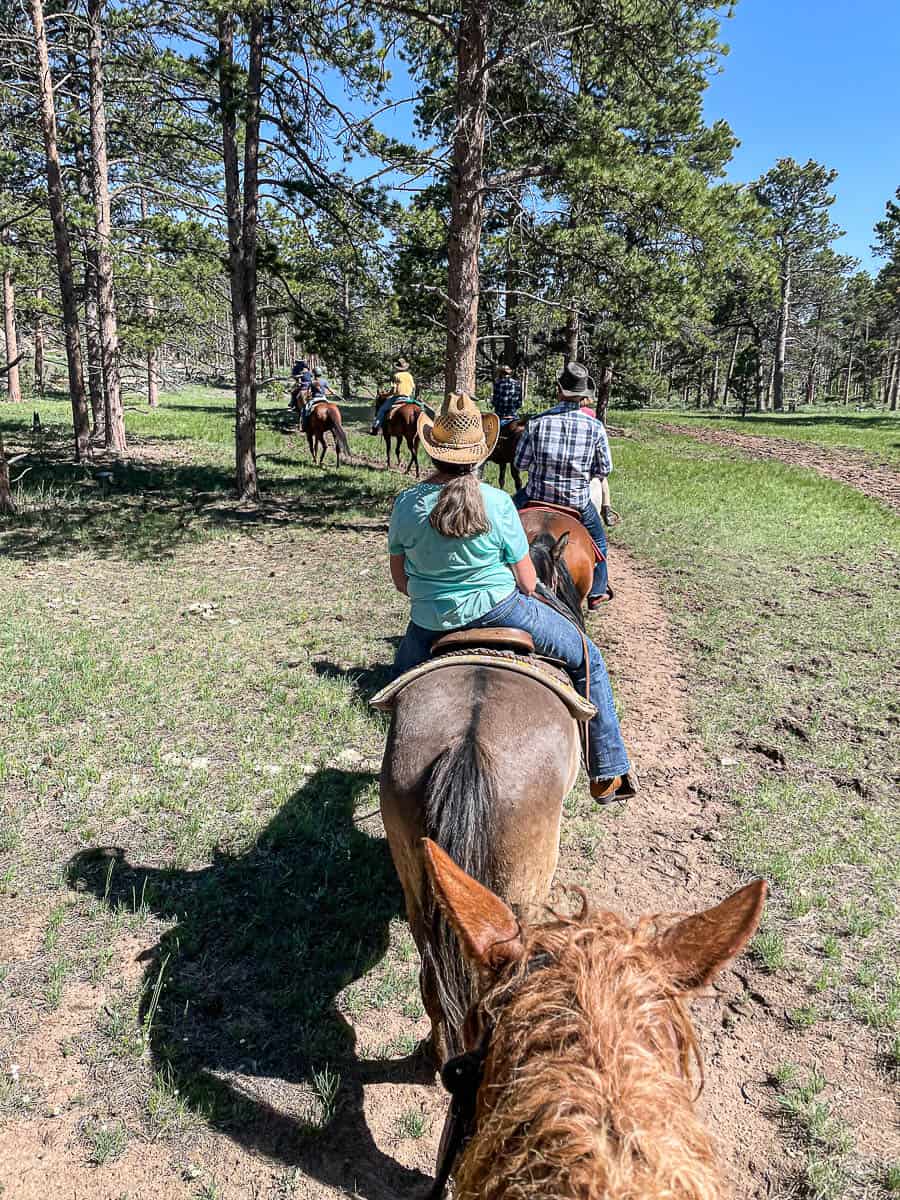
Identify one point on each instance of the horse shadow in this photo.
(262, 944)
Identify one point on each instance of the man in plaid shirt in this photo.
(507, 398)
(562, 450)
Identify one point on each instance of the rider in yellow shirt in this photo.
(403, 387)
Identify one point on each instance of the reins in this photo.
(462, 1077)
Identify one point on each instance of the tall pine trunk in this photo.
(573, 334)
(466, 197)
(96, 389)
(604, 388)
(784, 317)
(345, 318)
(150, 310)
(39, 343)
(13, 385)
(109, 331)
(732, 359)
(242, 221)
(7, 508)
(894, 386)
(91, 305)
(56, 205)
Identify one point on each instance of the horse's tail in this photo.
(340, 436)
(459, 808)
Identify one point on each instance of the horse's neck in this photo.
(589, 1105)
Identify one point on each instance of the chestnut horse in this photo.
(324, 418)
(402, 424)
(505, 451)
(577, 1075)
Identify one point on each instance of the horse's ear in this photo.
(486, 927)
(696, 949)
(559, 547)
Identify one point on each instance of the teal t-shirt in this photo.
(453, 581)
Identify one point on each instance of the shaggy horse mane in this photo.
(587, 1089)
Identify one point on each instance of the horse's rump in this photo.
(480, 761)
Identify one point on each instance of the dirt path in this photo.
(659, 855)
(853, 468)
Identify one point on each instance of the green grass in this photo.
(877, 433)
(189, 761)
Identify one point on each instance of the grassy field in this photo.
(189, 774)
(875, 433)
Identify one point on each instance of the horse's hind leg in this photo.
(502, 476)
(517, 478)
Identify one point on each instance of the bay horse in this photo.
(548, 526)
(504, 452)
(480, 760)
(576, 1079)
(324, 418)
(402, 424)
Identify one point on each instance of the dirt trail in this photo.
(853, 468)
(659, 855)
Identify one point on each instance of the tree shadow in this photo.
(263, 943)
(143, 508)
(854, 421)
(366, 680)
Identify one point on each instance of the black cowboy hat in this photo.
(574, 380)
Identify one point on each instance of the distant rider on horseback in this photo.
(458, 550)
(403, 388)
(302, 377)
(562, 451)
(319, 389)
(507, 398)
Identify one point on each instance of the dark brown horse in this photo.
(326, 418)
(505, 450)
(402, 424)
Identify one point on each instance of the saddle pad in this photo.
(501, 660)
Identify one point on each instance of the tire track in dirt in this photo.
(852, 468)
(659, 854)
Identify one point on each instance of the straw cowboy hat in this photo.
(460, 433)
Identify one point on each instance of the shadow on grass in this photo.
(855, 422)
(261, 946)
(145, 507)
(366, 680)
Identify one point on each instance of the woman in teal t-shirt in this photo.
(458, 550)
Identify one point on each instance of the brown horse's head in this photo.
(586, 1046)
(548, 555)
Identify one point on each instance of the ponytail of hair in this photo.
(459, 511)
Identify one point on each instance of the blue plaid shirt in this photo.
(562, 451)
(507, 398)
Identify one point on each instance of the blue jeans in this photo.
(590, 519)
(558, 638)
(385, 407)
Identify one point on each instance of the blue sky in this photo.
(803, 79)
(817, 79)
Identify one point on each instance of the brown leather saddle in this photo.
(516, 640)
